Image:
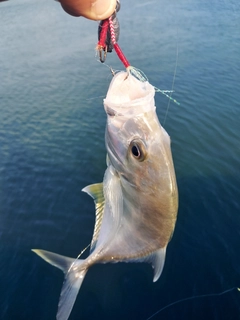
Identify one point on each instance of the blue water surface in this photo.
(52, 125)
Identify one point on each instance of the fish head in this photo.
(137, 145)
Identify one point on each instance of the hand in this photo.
(90, 9)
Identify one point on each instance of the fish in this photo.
(137, 202)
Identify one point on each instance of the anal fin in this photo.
(157, 259)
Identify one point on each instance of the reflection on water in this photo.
(52, 145)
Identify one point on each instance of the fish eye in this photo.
(137, 149)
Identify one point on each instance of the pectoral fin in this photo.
(96, 192)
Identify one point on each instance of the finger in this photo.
(90, 9)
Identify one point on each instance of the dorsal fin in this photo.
(96, 192)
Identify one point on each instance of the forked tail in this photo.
(74, 275)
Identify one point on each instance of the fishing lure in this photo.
(108, 35)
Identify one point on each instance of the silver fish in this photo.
(137, 203)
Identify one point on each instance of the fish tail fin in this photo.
(74, 271)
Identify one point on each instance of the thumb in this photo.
(90, 9)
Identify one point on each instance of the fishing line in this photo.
(83, 251)
(94, 98)
(191, 298)
(113, 72)
(173, 82)
(108, 37)
(71, 266)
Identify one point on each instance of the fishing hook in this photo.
(104, 34)
(102, 54)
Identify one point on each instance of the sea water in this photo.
(52, 125)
